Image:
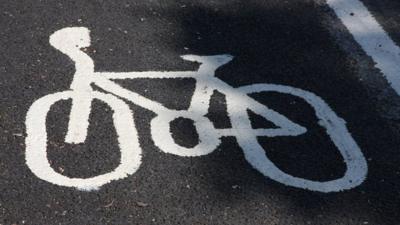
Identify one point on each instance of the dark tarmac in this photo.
(281, 42)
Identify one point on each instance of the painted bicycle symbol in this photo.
(70, 41)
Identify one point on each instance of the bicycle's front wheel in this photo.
(335, 128)
(36, 142)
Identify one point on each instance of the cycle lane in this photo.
(223, 186)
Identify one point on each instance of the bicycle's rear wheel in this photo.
(36, 142)
(335, 128)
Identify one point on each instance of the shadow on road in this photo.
(287, 45)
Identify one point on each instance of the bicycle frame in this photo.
(206, 83)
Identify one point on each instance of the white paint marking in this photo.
(335, 128)
(70, 40)
(36, 142)
(371, 36)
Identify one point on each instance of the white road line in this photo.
(371, 36)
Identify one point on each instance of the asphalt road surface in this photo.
(302, 44)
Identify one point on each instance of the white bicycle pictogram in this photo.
(71, 40)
